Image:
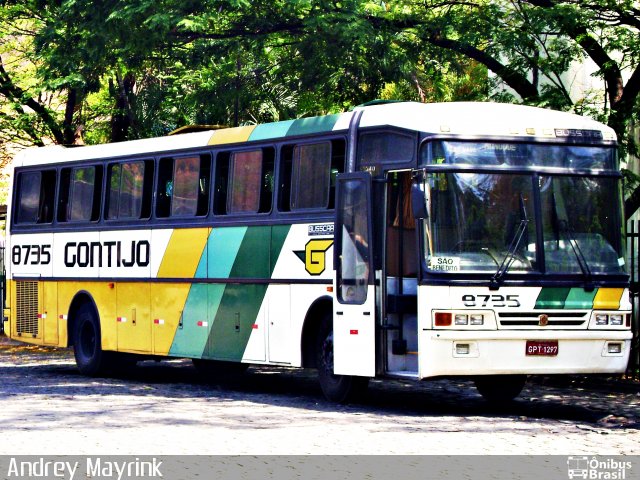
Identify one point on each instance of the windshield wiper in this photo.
(497, 278)
(562, 224)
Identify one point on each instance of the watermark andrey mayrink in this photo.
(90, 467)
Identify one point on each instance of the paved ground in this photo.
(47, 407)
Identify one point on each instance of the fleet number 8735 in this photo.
(496, 301)
(31, 254)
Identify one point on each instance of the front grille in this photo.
(27, 307)
(532, 319)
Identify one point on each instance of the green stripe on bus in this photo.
(203, 301)
(237, 314)
(222, 249)
(305, 126)
(271, 130)
(579, 299)
(552, 298)
(278, 236)
(234, 321)
(190, 338)
(238, 310)
(252, 260)
(229, 310)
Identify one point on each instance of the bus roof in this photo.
(469, 119)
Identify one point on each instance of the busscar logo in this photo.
(320, 230)
(597, 468)
(314, 256)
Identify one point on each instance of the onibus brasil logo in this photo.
(598, 468)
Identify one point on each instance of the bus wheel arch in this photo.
(311, 329)
(79, 299)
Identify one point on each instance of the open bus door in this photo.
(354, 308)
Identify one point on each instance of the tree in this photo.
(121, 71)
(530, 46)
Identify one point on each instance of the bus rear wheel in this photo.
(500, 389)
(336, 388)
(87, 348)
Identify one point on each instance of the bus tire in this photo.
(336, 388)
(87, 349)
(500, 389)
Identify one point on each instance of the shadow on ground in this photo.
(36, 371)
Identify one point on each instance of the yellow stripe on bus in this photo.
(608, 298)
(167, 304)
(231, 135)
(183, 253)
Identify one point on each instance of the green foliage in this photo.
(120, 70)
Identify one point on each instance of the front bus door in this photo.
(354, 310)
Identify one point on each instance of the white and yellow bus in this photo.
(396, 240)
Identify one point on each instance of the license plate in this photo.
(548, 348)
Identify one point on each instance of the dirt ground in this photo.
(47, 407)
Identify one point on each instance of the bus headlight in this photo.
(609, 320)
(615, 319)
(464, 320)
(602, 319)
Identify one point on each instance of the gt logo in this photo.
(314, 256)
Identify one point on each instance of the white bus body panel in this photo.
(494, 350)
(354, 345)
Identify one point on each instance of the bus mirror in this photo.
(418, 200)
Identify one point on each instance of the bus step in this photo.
(403, 374)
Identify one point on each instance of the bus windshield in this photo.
(486, 154)
(481, 221)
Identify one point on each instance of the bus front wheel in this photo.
(336, 388)
(499, 389)
(87, 349)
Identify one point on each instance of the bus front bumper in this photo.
(522, 352)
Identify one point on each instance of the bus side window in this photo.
(36, 197)
(387, 147)
(130, 190)
(80, 194)
(164, 188)
(308, 175)
(284, 185)
(186, 184)
(311, 176)
(183, 186)
(266, 189)
(63, 194)
(338, 149)
(204, 182)
(249, 181)
(245, 175)
(221, 180)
